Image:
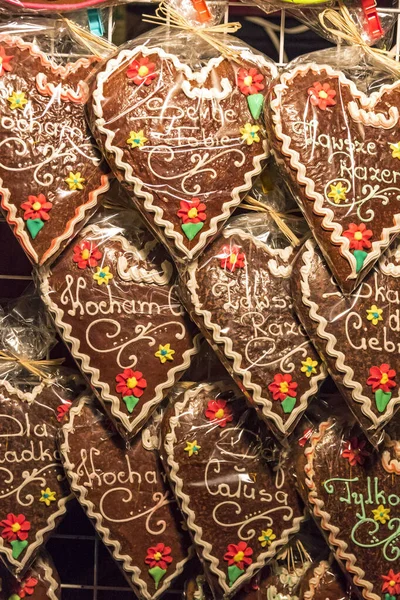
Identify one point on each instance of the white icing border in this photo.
(328, 215)
(331, 342)
(200, 76)
(169, 441)
(94, 373)
(318, 573)
(220, 338)
(24, 396)
(81, 493)
(48, 577)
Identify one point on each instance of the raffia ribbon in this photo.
(36, 367)
(344, 28)
(280, 219)
(167, 15)
(96, 45)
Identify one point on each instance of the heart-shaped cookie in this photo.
(354, 493)
(240, 507)
(51, 172)
(341, 153)
(115, 304)
(357, 335)
(33, 489)
(239, 294)
(41, 582)
(126, 494)
(186, 142)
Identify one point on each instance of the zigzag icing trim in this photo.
(348, 379)
(328, 221)
(315, 580)
(170, 440)
(325, 518)
(386, 266)
(81, 492)
(263, 402)
(84, 359)
(24, 396)
(112, 65)
(391, 465)
(48, 577)
(45, 88)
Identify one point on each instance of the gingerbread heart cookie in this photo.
(186, 141)
(51, 173)
(33, 488)
(240, 507)
(239, 295)
(340, 150)
(114, 301)
(357, 335)
(126, 494)
(354, 493)
(41, 582)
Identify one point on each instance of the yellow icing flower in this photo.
(309, 366)
(192, 448)
(395, 150)
(338, 192)
(165, 353)
(75, 181)
(249, 133)
(47, 496)
(374, 314)
(137, 139)
(266, 538)
(17, 100)
(381, 514)
(103, 275)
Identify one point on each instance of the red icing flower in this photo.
(37, 207)
(27, 587)
(86, 254)
(141, 71)
(381, 378)
(192, 211)
(15, 527)
(391, 583)
(321, 95)
(63, 410)
(4, 62)
(231, 258)
(217, 411)
(131, 383)
(239, 555)
(359, 236)
(283, 386)
(355, 452)
(307, 433)
(249, 81)
(158, 556)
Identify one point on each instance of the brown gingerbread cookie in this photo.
(41, 582)
(324, 581)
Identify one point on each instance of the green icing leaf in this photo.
(233, 573)
(18, 546)
(34, 226)
(360, 257)
(14, 597)
(130, 402)
(255, 102)
(288, 404)
(191, 229)
(382, 399)
(157, 574)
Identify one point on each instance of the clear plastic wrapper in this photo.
(324, 580)
(230, 481)
(178, 116)
(126, 495)
(238, 293)
(113, 298)
(51, 172)
(41, 582)
(356, 335)
(53, 6)
(333, 120)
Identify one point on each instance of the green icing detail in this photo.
(255, 102)
(382, 400)
(130, 402)
(234, 573)
(18, 546)
(360, 257)
(34, 226)
(389, 597)
(288, 404)
(14, 597)
(191, 229)
(157, 574)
